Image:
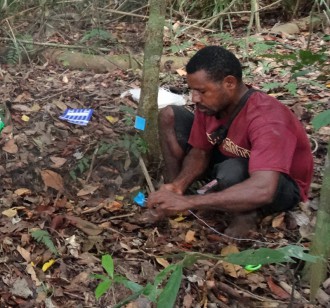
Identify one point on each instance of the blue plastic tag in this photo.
(140, 123)
(140, 199)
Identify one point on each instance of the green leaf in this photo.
(259, 256)
(300, 73)
(292, 88)
(42, 236)
(163, 274)
(102, 288)
(271, 85)
(99, 276)
(133, 286)
(322, 119)
(299, 253)
(168, 297)
(107, 263)
(309, 58)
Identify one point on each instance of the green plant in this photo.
(20, 45)
(82, 165)
(322, 119)
(97, 35)
(166, 284)
(42, 236)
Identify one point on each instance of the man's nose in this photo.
(195, 96)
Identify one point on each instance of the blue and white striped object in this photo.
(77, 116)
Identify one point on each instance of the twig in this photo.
(55, 45)
(124, 13)
(250, 294)
(146, 174)
(91, 165)
(120, 216)
(311, 25)
(139, 9)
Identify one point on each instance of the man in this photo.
(264, 164)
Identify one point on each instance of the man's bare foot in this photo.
(242, 224)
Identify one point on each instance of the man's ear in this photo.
(230, 82)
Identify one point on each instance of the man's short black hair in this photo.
(217, 62)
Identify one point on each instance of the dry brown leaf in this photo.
(190, 236)
(276, 290)
(278, 221)
(162, 262)
(58, 161)
(85, 226)
(22, 191)
(12, 212)
(232, 270)
(113, 206)
(181, 72)
(24, 253)
(60, 105)
(188, 301)
(10, 147)
(88, 189)
(52, 179)
(30, 270)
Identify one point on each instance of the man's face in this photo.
(210, 96)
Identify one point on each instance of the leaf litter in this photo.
(63, 179)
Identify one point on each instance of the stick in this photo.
(146, 174)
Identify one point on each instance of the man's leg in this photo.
(235, 170)
(174, 128)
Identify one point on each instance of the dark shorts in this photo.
(231, 171)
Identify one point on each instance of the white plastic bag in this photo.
(165, 97)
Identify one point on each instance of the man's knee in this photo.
(231, 171)
(166, 117)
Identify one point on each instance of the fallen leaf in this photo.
(30, 270)
(52, 179)
(88, 189)
(113, 206)
(35, 108)
(112, 119)
(232, 270)
(85, 226)
(58, 161)
(60, 105)
(12, 212)
(25, 118)
(47, 265)
(190, 236)
(24, 253)
(277, 290)
(278, 221)
(65, 79)
(10, 147)
(22, 191)
(21, 288)
(163, 262)
(181, 72)
(187, 301)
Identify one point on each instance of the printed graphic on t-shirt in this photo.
(233, 148)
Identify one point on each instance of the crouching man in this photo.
(255, 147)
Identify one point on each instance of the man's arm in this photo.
(256, 191)
(194, 165)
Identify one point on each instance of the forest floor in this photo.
(77, 183)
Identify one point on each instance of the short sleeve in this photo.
(198, 135)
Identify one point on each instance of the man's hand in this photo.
(166, 202)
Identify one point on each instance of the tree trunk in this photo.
(316, 272)
(148, 107)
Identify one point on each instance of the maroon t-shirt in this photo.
(266, 132)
